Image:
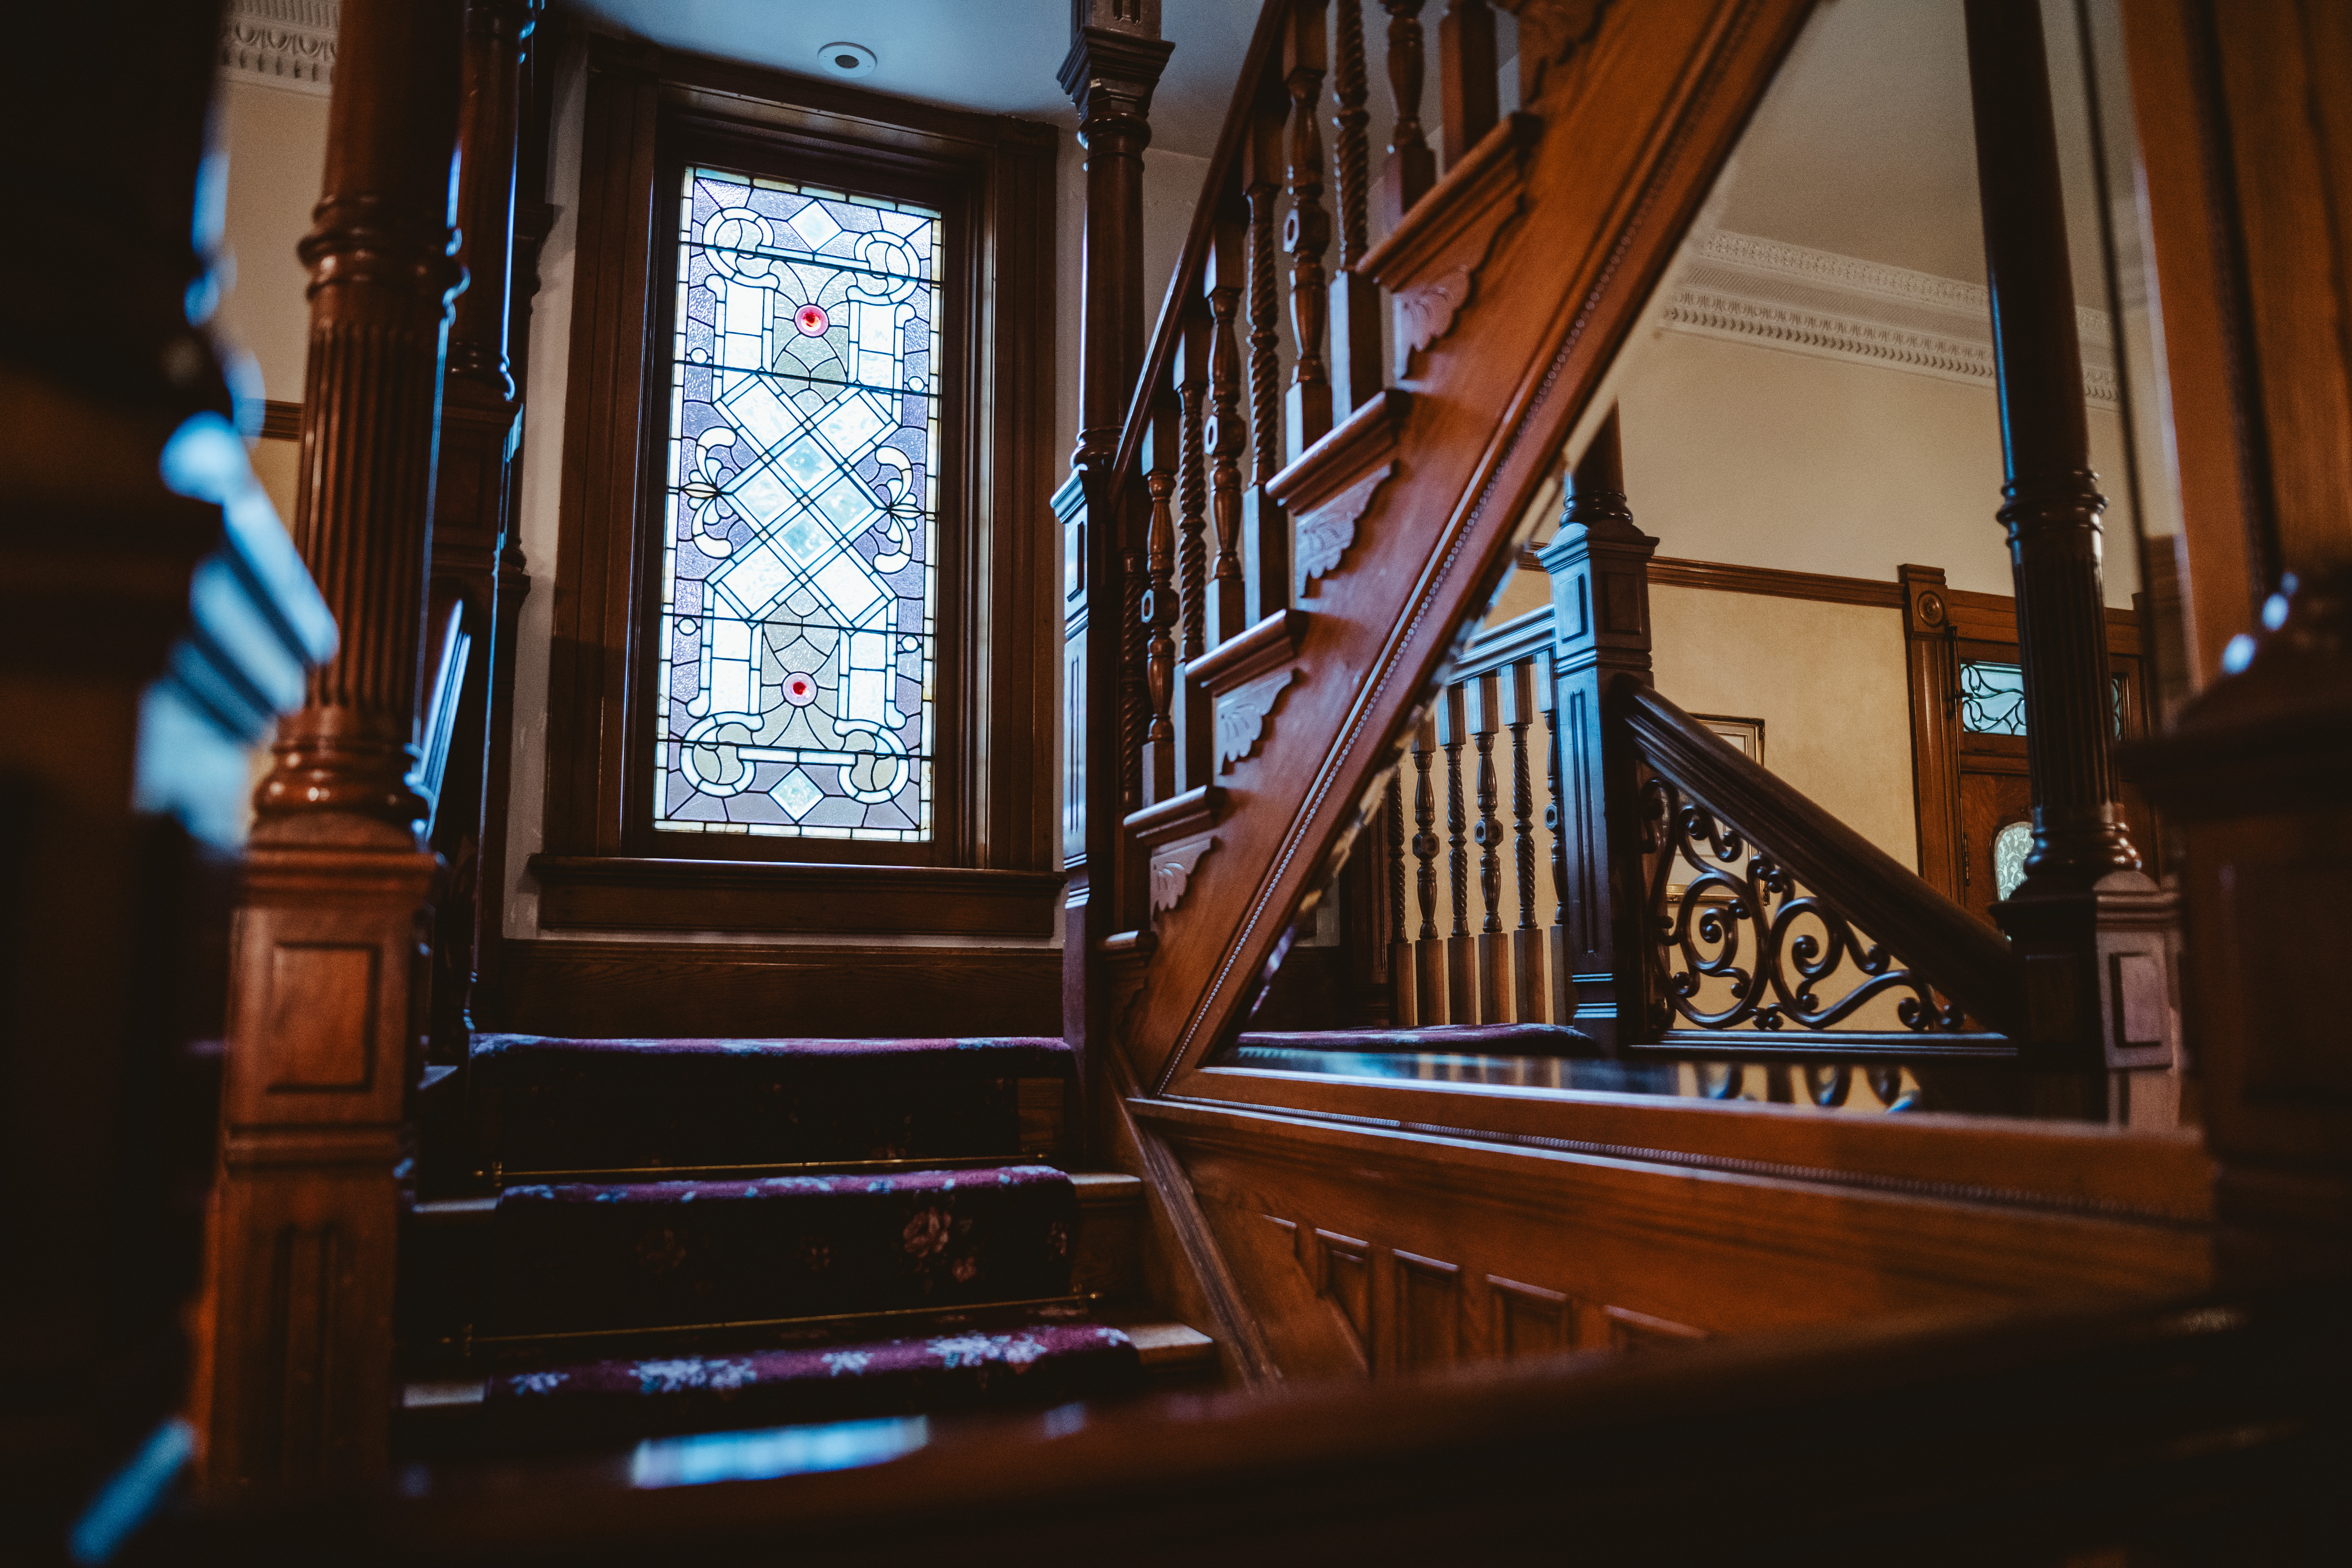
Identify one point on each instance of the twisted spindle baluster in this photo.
(1227, 436)
(1265, 540)
(1158, 616)
(1307, 232)
(1355, 300)
(1134, 693)
(1193, 477)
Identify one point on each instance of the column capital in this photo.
(1110, 74)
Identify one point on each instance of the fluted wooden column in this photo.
(1114, 59)
(323, 1031)
(473, 496)
(2084, 892)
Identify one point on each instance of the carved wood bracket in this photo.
(1243, 678)
(1550, 32)
(1430, 262)
(1174, 835)
(1330, 488)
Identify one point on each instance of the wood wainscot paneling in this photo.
(713, 990)
(1390, 1250)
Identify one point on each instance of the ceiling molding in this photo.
(1790, 297)
(286, 44)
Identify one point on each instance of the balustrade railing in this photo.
(1263, 349)
(1763, 945)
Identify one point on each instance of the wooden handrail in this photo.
(1937, 938)
(446, 655)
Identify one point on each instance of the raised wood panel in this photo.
(1498, 1250)
(1527, 1319)
(1428, 1296)
(706, 990)
(1632, 1331)
(1343, 1268)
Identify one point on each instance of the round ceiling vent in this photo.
(847, 59)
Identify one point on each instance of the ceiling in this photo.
(1864, 144)
(999, 57)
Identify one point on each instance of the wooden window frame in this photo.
(988, 867)
(1943, 626)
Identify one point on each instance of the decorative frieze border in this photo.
(1751, 289)
(287, 44)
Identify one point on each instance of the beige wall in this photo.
(277, 141)
(1756, 456)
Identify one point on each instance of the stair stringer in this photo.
(1628, 136)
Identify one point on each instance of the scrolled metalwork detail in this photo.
(1739, 899)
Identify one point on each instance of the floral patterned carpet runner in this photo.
(710, 1265)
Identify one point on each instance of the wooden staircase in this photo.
(749, 1233)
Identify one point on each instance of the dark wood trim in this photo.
(1941, 627)
(281, 421)
(610, 892)
(721, 990)
(2080, 1165)
(996, 721)
(1930, 674)
(1723, 578)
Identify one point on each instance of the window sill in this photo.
(618, 893)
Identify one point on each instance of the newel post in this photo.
(326, 973)
(2096, 932)
(1600, 569)
(481, 421)
(1114, 59)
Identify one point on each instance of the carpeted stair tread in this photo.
(1525, 1039)
(958, 1368)
(553, 1104)
(584, 1256)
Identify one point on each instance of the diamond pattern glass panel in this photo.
(800, 564)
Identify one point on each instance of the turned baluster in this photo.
(1494, 946)
(1307, 231)
(1411, 168)
(1355, 300)
(1193, 475)
(1266, 538)
(1527, 939)
(1158, 620)
(1466, 81)
(1401, 1011)
(1134, 696)
(1461, 947)
(1428, 947)
(1227, 434)
(1563, 984)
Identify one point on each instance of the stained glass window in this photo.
(799, 562)
(1992, 700)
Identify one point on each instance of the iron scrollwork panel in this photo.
(1743, 920)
